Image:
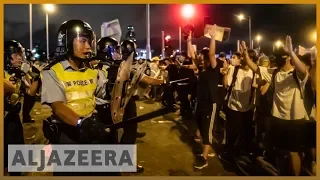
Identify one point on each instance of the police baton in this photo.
(179, 80)
(138, 119)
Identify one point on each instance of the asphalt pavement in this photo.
(168, 148)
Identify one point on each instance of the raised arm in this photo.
(191, 52)
(298, 65)
(212, 50)
(244, 51)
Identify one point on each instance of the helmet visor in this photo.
(84, 43)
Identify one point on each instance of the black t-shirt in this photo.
(186, 72)
(207, 87)
(173, 72)
(220, 76)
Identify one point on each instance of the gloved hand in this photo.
(35, 74)
(18, 73)
(92, 131)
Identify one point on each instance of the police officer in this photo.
(69, 86)
(30, 100)
(14, 83)
(130, 131)
(108, 53)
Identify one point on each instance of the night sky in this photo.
(273, 22)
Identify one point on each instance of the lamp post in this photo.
(49, 8)
(30, 25)
(148, 47)
(241, 17)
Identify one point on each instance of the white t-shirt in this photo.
(287, 101)
(240, 95)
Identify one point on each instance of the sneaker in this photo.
(196, 138)
(210, 155)
(140, 169)
(201, 163)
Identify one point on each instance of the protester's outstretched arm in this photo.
(212, 50)
(152, 81)
(244, 51)
(298, 65)
(191, 52)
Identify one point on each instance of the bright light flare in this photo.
(49, 8)
(278, 43)
(187, 11)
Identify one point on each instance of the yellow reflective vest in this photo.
(79, 88)
(15, 97)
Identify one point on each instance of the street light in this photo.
(258, 38)
(49, 8)
(242, 17)
(278, 43)
(187, 12)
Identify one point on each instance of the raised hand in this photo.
(243, 47)
(212, 32)
(288, 45)
(189, 36)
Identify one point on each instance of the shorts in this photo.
(291, 135)
(205, 119)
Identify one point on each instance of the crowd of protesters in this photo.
(268, 102)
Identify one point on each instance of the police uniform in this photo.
(77, 89)
(13, 130)
(28, 102)
(103, 105)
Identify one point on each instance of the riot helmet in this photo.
(14, 54)
(127, 47)
(108, 49)
(74, 36)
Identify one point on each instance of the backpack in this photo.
(229, 90)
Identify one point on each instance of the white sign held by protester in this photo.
(222, 33)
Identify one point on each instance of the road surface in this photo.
(167, 149)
